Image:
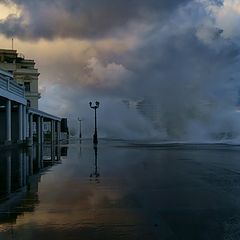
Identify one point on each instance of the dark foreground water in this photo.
(120, 191)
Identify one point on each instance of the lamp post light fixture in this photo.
(95, 138)
(80, 127)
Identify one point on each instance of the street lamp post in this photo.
(80, 127)
(95, 138)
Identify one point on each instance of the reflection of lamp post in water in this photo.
(96, 173)
(80, 127)
(95, 138)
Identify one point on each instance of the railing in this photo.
(43, 114)
(27, 70)
(8, 84)
(32, 94)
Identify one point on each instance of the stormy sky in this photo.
(180, 56)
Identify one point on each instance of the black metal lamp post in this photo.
(80, 127)
(95, 138)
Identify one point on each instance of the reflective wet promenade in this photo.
(120, 191)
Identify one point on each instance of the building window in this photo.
(27, 86)
(8, 59)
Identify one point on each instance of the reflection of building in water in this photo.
(64, 151)
(19, 178)
(64, 128)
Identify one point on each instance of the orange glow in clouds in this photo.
(5, 11)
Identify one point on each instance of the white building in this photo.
(24, 73)
(17, 120)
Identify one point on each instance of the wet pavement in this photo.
(120, 191)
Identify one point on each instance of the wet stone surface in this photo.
(120, 191)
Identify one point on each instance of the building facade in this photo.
(13, 111)
(17, 120)
(24, 73)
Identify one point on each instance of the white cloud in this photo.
(227, 18)
(6, 10)
(109, 75)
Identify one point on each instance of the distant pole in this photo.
(80, 127)
(12, 43)
(95, 138)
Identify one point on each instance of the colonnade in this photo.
(39, 119)
(13, 122)
(19, 124)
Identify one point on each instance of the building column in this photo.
(42, 134)
(53, 130)
(39, 129)
(24, 122)
(20, 122)
(30, 129)
(58, 131)
(8, 121)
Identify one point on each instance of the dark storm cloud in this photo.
(186, 71)
(81, 19)
(183, 66)
(190, 81)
